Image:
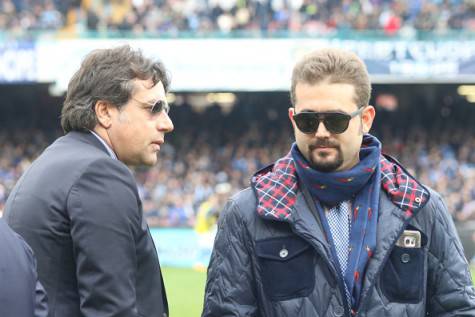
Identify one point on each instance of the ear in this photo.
(291, 115)
(103, 111)
(367, 117)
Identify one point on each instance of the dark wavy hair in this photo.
(106, 74)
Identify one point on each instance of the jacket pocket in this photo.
(287, 267)
(402, 278)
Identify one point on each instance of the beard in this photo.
(323, 161)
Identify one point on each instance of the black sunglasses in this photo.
(335, 122)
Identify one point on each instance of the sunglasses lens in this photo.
(336, 122)
(159, 106)
(306, 122)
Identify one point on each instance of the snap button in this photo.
(418, 200)
(339, 311)
(283, 253)
(405, 258)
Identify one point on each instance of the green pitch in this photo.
(185, 290)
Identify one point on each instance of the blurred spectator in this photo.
(206, 223)
(155, 17)
(204, 156)
(208, 211)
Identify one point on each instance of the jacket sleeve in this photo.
(40, 299)
(450, 287)
(104, 215)
(230, 287)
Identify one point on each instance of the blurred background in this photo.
(230, 63)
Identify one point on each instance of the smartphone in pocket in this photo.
(409, 239)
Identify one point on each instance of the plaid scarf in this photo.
(276, 189)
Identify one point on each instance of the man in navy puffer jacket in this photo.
(336, 228)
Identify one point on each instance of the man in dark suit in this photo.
(21, 295)
(78, 206)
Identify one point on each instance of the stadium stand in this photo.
(271, 16)
(204, 154)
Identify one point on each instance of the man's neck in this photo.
(103, 136)
(102, 133)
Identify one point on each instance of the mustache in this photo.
(323, 143)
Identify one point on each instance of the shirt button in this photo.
(405, 258)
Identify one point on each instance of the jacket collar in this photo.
(104, 143)
(276, 187)
(89, 138)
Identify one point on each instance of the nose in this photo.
(322, 131)
(164, 123)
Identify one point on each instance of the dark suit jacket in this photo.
(80, 211)
(21, 295)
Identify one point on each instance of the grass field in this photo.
(185, 289)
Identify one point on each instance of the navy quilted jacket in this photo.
(270, 267)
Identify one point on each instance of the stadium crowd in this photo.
(212, 149)
(158, 17)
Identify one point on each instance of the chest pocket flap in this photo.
(287, 267)
(281, 249)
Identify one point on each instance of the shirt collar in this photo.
(108, 148)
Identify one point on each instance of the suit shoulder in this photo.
(76, 147)
(108, 172)
(108, 164)
(105, 185)
(76, 156)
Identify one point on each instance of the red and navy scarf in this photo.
(359, 184)
(277, 186)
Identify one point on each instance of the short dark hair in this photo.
(106, 74)
(333, 66)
